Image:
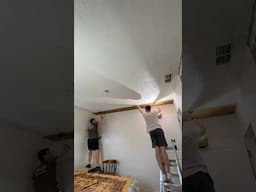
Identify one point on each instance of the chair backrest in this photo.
(110, 167)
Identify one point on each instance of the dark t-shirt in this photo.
(93, 131)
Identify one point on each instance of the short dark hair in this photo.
(42, 153)
(91, 120)
(148, 107)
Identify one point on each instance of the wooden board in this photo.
(214, 111)
(60, 136)
(133, 107)
(101, 183)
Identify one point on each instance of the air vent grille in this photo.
(223, 54)
(168, 78)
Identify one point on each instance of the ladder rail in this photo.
(173, 142)
(177, 173)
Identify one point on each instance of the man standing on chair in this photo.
(93, 142)
(158, 139)
(45, 175)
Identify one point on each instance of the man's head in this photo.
(92, 121)
(43, 155)
(148, 108)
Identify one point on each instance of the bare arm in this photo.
(158, 109)
(140, 109)
(201, 126)
(159, 114)
(101, 119)
(203, 142)
(153, 103)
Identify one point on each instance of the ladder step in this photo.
(175, 170)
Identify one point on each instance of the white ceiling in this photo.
(125, 46)
(36, 71)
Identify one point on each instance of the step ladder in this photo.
(175, 168)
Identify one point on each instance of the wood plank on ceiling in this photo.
(166, 102)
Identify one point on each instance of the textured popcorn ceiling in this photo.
(126, 47)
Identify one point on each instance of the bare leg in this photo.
(165, 158)
(97, 156)
(100, 156)
(159, 159)
(90, 157)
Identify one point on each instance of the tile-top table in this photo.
(93, 182)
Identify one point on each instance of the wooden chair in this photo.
(110, 167)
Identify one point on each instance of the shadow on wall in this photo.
(225, 148)
(20, 157)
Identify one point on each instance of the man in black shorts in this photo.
(93, 143)
(158, 140)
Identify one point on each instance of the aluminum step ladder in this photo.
(175, 168)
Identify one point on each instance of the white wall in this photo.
(234, 83)
(65, 163)
(20, 147)
(226, 156)
(81, 119)
(177, 96)
(205, 84)
(247, 101)
(124, 138)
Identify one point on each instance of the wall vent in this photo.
(168, 78)
(223, 54)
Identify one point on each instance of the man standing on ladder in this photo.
(158, 140)
(195, 174)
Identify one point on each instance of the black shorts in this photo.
(158, 138)
(198, 182)
(93, 144)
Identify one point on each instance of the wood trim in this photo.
(133, 107)
(128, 184)
(60, 136)
(214, 111)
